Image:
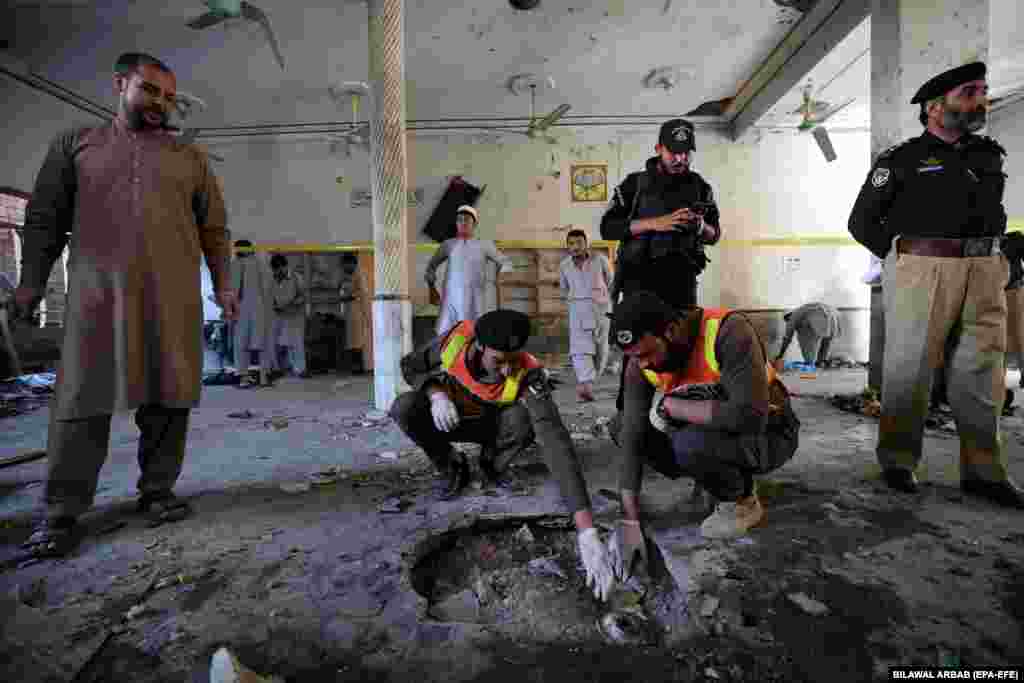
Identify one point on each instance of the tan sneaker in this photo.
(731, 520)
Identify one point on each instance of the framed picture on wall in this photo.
(588, 182)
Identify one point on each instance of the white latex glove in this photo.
(659, 422)
(624, 544)
(446, 417)
(596, 562)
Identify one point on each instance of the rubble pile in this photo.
(865, 403)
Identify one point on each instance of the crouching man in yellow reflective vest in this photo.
(700, 401)
(475, 384)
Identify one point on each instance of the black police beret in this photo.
(677, 136)
(947, 80)
(638, 314)
(503, 330)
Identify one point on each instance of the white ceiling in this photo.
(459, 53)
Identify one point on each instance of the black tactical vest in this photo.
(656, 195)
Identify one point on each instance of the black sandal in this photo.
(164, 508)
(52, 538)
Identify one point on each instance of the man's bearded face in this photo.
(673, 163)
(147, 96)
(965, 109)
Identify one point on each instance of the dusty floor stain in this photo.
(314, 585)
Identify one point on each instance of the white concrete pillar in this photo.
(912, 41)
(392, 309)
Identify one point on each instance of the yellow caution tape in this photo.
(795, 241)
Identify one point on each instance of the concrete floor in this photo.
(315, 582)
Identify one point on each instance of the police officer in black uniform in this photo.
(932, 208)
(662, 218)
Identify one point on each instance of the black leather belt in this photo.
(948, 248)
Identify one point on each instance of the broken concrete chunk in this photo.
(710, 606)
(625, 627)
(545, 566)
(276, 422)
(524, 535)
(463, 606)
(393, 505)
(808, 604)
(135, 611)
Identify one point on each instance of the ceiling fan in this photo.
(815, 113)
(537, 127)
(359, 133)
(184, 106)
(223, 10)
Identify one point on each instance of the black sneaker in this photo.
(901, 480)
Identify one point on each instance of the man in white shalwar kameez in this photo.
(584, 280)
(465, 282)
(289, 317)
(254, 348)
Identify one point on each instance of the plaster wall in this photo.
(1007, 127)
(771, 184)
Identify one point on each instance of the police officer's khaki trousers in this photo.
(928, 299)
(77, 449)
(1015, 325)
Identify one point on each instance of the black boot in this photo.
(456, 479)
(1002, 492)
(901, 480)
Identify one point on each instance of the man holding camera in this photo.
(662, 218)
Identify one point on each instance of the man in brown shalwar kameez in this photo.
(142, 209)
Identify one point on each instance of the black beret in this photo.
(947, 80)
(676, 135)
(638, 314)
(503, 330)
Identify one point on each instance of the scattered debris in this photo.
(388, 455)
(182, 579)
(864, 403)
(110, 528)
(295, 487)
(808, 604)
(243, 414)
(276, 422)
(326, 476)
(710, 672)
(487, 552)
(376, 415)
(625, 627)
(394, 505)
(135, 612)
(524, 535)
(462, 606)
(32, 594)
(710, 606)
(545, 566)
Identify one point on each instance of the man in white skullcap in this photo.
(465, 279)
